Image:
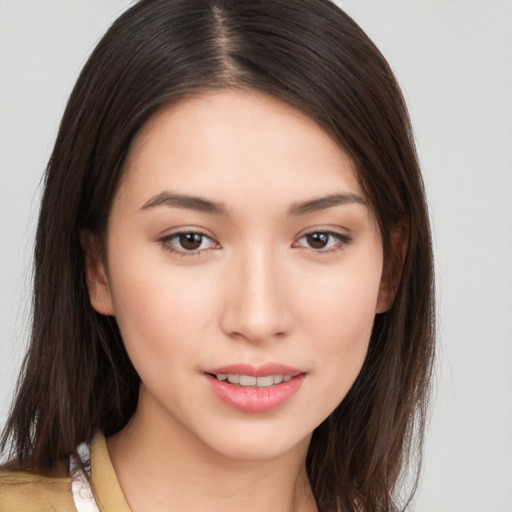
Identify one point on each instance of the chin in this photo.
(259, 444)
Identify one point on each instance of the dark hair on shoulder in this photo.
(77, 378)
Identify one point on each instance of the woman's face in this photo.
(240, 248)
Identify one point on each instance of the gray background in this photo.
(453, 59)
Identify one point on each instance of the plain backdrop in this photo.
(453, 59)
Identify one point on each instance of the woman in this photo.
(233, 297)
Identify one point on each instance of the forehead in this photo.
(231, 141)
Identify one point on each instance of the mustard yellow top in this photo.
(29, 492)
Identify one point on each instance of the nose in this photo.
(256, 307)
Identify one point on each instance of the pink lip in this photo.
(254, 399)
(256, 371)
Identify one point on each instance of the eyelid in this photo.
(165, 241)
(342, 241)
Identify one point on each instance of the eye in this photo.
(188, 243)
(323, 241)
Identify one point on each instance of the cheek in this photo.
(341, 313)
(342, 331)
(342, 300)
(157, 308)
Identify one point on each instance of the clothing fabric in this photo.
(80, 484)
(22, 491)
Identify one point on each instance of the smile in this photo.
(253, 381)
(255, 389)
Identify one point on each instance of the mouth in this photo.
(253, 389)
(265, 381)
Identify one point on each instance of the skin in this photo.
(257, 291)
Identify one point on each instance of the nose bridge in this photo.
(256, 307)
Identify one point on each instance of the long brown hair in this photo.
(77, 378)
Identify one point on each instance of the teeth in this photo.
(250, 380)
(264, 382)
(234, 379)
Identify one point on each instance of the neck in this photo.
(162, 466)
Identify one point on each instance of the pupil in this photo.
(318, 240)
(191, 241)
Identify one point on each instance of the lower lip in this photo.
(255, 399)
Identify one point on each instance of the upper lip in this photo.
(261, 370)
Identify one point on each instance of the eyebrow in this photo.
(216, 208)
(186, 202)
(321, 203)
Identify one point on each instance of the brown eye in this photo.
(190, 241)
(323, 242)
(317, 240)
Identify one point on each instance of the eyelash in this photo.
(342, 240)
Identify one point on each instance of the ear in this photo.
(96, 274)
(392, 272)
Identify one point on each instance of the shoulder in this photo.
(26, 491)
